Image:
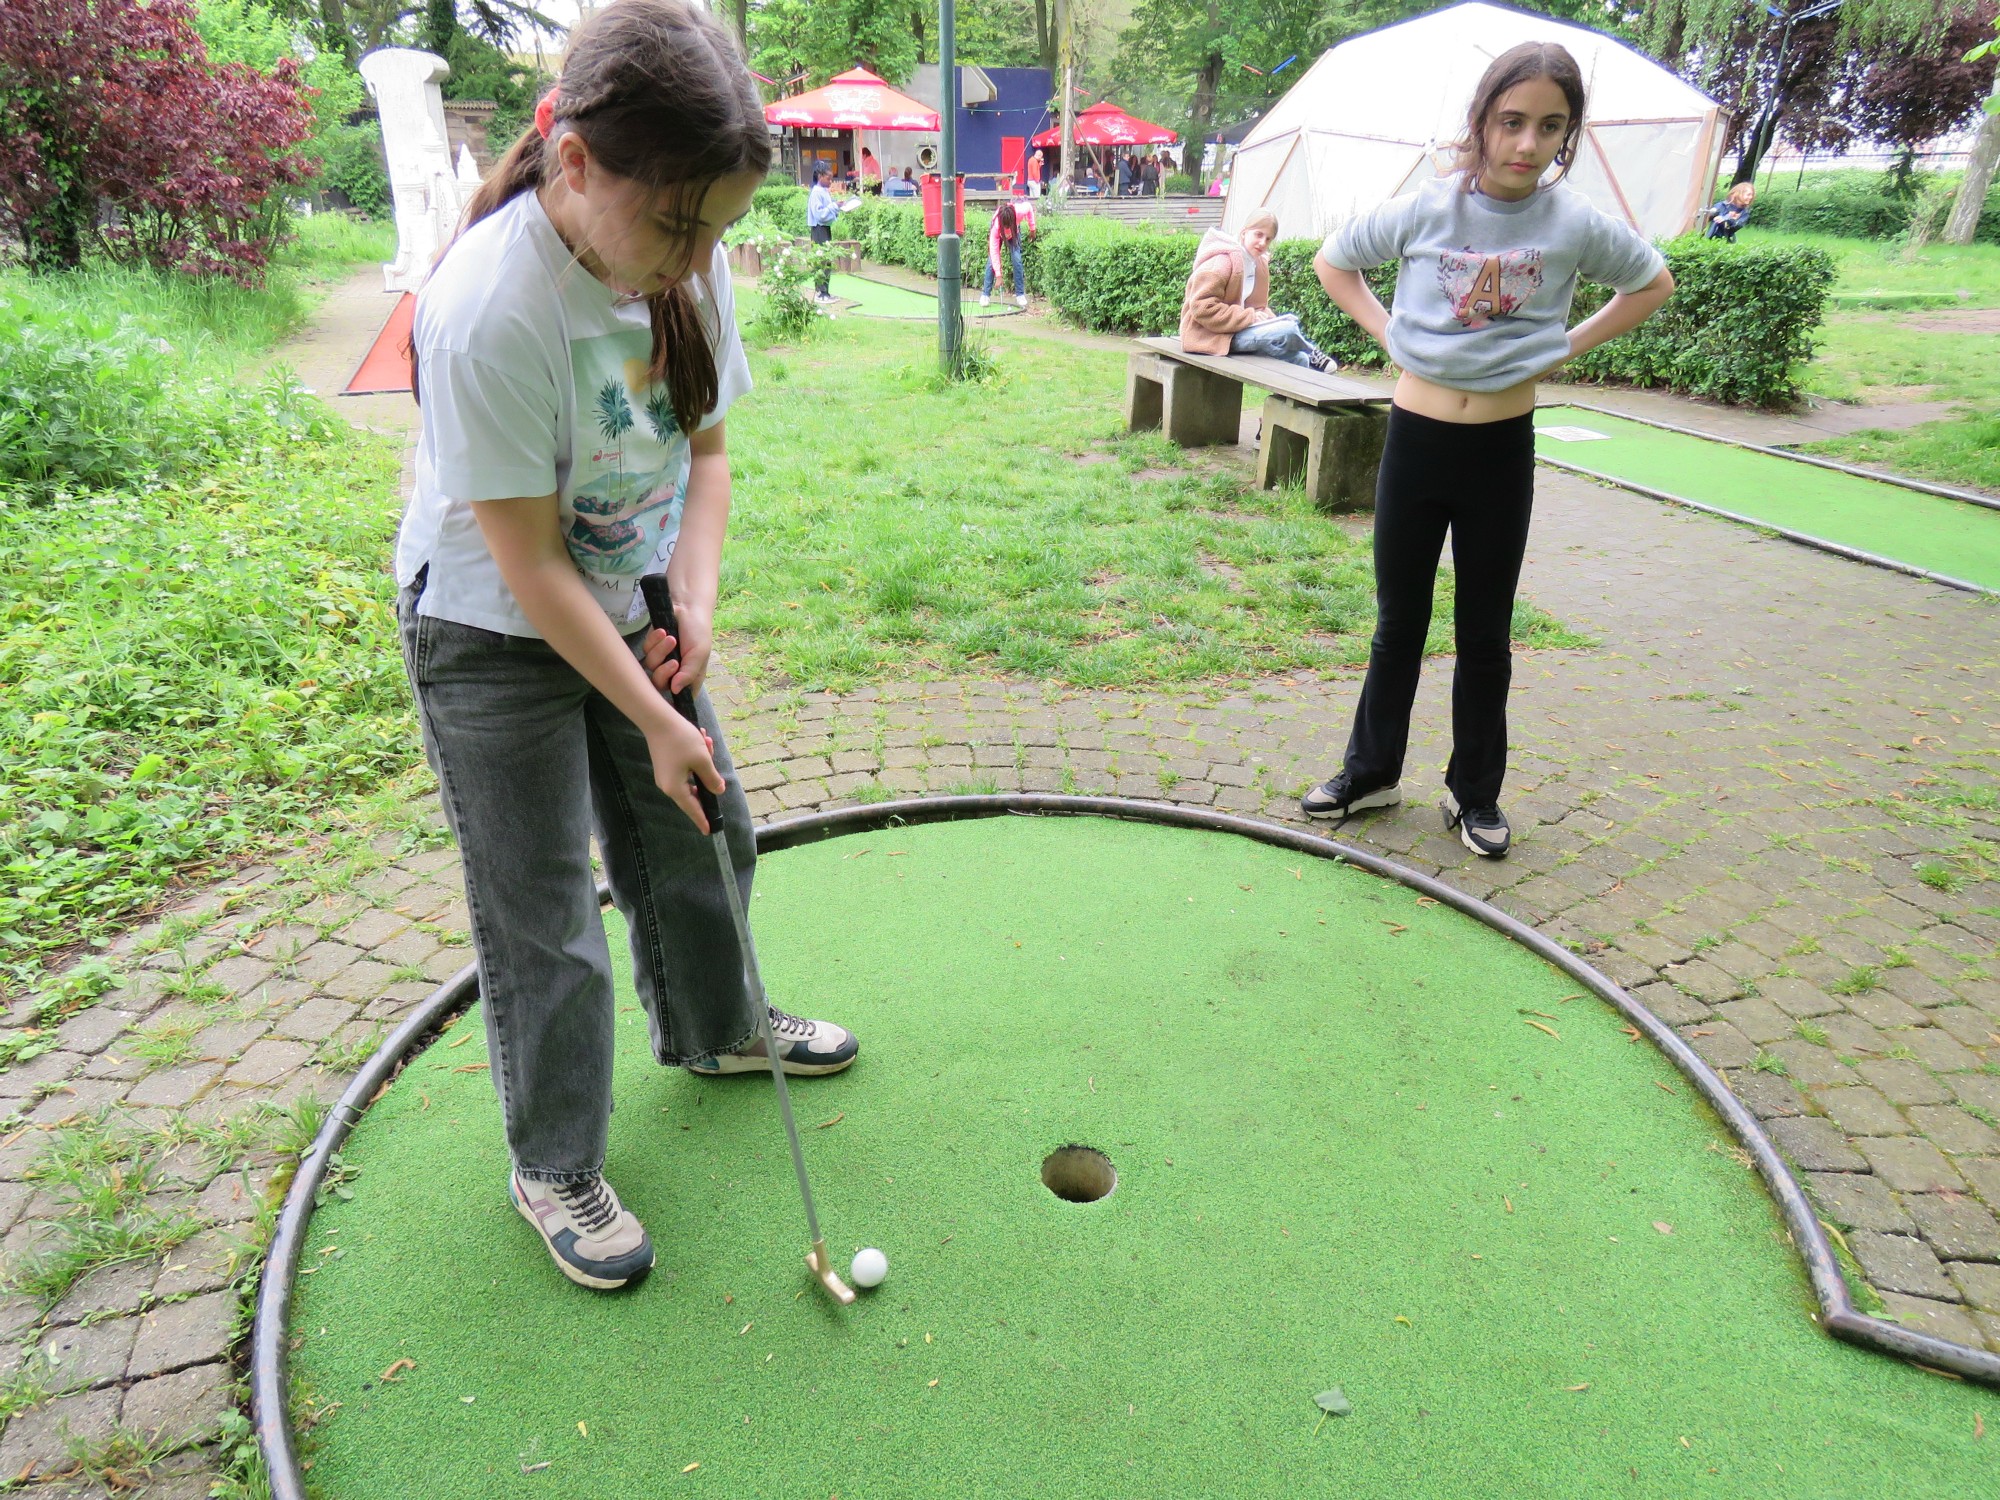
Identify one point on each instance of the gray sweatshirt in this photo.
(1483, 292)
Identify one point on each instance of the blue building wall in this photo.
(1022, 109)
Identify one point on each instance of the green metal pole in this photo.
(951, 321)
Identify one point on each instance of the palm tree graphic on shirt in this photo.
(603, 530)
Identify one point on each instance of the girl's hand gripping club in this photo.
(660, 606)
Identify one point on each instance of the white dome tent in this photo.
(1378, 114)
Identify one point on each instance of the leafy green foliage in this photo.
(1858, 205)
(783, 204)
(196, 631)
(353, 165)
(1740, 326)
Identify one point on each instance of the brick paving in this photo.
(1722, 806)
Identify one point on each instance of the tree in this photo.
(823, 37)
(1964, 220)
(1774, 66)
(115, 103)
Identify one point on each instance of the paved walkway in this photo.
(1740, 805)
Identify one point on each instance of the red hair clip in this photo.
(545, 112)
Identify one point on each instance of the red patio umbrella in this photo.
(855, 100)
(1107, 125)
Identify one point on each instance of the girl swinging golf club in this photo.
(1489, 257)
(575, 351)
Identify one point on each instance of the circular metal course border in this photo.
(268, 1363)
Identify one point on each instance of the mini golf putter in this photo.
(660, 606)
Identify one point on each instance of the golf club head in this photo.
(822, 1267)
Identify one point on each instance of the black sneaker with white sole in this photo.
(1482, 829)
(1337, 798)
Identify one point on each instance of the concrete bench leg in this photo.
(1335, 453)
(1201, 408)
(1144, 380)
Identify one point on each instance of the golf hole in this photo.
(1079, 1174)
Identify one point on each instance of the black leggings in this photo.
(1478, 481)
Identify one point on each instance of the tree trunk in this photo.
(1045, 37)
(1964, 220)
(1200, 112)
(743, 24)
(333, 22)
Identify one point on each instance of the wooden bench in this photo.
(1324, 429)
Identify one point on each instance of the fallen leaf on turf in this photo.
(1333, 1402)
(744, 1329)
(1632, 1032)
(1663, 1226)
(927, 1338)
(829, 1124)
(473, 1068)
(1395, 928)
(1508, 1201)
(691, 1468)
(932, 1386)
(1978, 1425)
(1524, 1011)
(583, 1429)
(534, 1468)
(1667, 1086)
(1584, 1387)
(468, 1400)
(1427, 901)
(1549, 1029)
(461, 1041)
(1296, 874)
(1404, 1321)
(1567, 998)
(394, 1372)
(727, 1298)
(1686, 1444)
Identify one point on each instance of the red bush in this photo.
(116, 130)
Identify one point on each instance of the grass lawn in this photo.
(1886, 353)
(885, 527)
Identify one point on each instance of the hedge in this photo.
(1741, 320)
(1853, 204)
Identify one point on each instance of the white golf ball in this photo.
(870, 1266)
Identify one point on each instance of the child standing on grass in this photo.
(1489, 258)
(576, 351)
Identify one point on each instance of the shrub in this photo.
(355, 167)
(1741, 321)
(784, 204)
(788, 282)
(1738, 326)
(1178, 182)
(91, 402)
(115, 103)
(1856, 205)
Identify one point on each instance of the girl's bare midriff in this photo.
(1443, 404)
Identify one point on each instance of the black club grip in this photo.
(660, 606)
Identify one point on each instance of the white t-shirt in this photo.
(534, 382)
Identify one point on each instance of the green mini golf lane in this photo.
(1952, 537)
(1345, 1159)
(878, 299)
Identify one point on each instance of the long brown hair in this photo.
(661, 96)
(1519, 64)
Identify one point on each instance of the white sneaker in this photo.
(595, 1240)
(1022, 300)
(810, 1048)
(985, 299)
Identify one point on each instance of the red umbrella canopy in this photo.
(856, 100)
(1107, 125)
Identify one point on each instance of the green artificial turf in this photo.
(1953, 537)
(1346, 1160)
(878, 299)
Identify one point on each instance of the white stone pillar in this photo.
(429, 194)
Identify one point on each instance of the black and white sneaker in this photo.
(595, 1240)
(1337, 798)
(811, 1048)
(1326, 364)
(1482, 829)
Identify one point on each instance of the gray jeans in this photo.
(531, 760)
(1279, 337)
